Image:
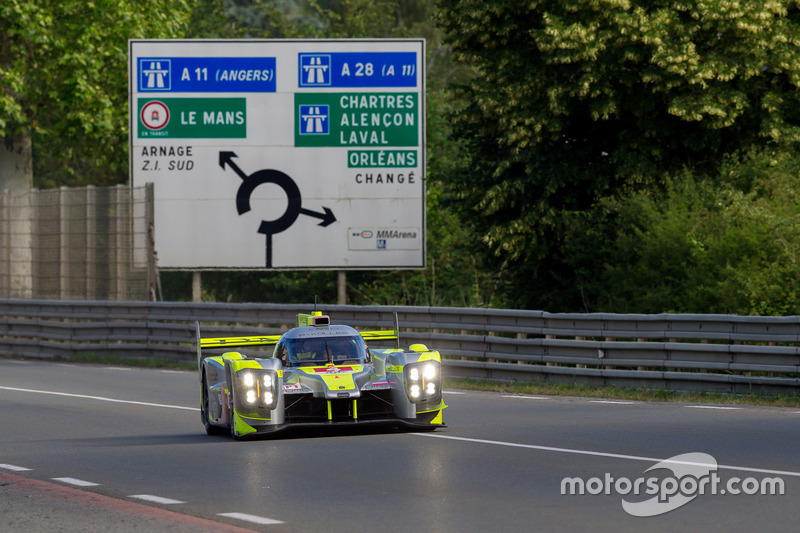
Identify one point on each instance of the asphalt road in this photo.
(136, 436)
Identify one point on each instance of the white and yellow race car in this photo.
(317, 374)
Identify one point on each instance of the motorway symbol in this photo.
(294, 207)
(314, 119)
(155, 75)
(315, 70)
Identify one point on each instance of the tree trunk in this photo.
(16, 163)
(16, 182)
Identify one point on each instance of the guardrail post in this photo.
(609, 367)
(521, 336)
(550, 337)
(641, 368)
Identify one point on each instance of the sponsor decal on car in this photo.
(333, 369)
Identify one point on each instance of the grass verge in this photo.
(115, 360)
(615, 393)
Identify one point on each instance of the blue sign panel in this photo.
(357, 69)
(207, 74)
(314, 120)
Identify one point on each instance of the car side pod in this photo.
(256, 394)
(416, 381)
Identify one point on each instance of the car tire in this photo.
(210, 428)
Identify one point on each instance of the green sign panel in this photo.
(382, 159)
(192, 118)
(356, 119)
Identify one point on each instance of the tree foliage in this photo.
(591, 155)
(729, 245)
(575, 101)
(63, 79)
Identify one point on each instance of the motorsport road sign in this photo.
(284, 154)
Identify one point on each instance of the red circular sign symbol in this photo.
(154, 115)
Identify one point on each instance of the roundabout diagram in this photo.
(294, 207)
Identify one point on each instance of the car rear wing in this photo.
(238, 342)
(231, 342)
(379, 335)
(384, 335)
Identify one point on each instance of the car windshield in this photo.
(321, 350)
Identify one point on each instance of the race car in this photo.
(317, 374)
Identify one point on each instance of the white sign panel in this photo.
(282, 154)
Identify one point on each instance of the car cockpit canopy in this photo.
(322, 350)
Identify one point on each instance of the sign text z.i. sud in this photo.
(192, 118)
(356, 119)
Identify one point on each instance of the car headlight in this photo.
(423, 381)
(255, 391)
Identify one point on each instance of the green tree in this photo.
(724, 245)
(575, 101)
(274, 19)
(63, 85)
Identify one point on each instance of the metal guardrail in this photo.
(713, 353)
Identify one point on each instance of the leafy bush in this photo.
(723, 245)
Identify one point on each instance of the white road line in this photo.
(599, 454)
(721, 408)
(76, 482)
(613, 402)
(452, 392)
(100, 398)
(14, 468)
(251, 518)
(526, 397)
(155, 499)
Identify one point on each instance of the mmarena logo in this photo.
(692, 474)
